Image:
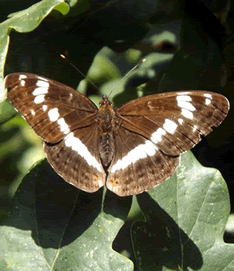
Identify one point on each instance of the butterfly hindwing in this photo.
(76, 159)
(138, 165)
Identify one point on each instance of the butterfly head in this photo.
(105, 102)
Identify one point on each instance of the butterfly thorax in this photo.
(106, 126)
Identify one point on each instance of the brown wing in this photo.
(174, 121)
(76, 159)
(154, 131)
(51, 108)
(66, 120)
(138, 165)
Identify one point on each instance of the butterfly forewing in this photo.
(130, 149)
(174, 121)
(51, 108)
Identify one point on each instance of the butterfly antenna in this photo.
(127, 74)
(69, 61)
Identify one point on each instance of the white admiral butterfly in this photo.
(129, 149)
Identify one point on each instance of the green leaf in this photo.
(25, 21)
(186, 218)
(63, 8)
(54, 226)
(6, 112)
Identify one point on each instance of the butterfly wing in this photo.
(75, 159)
(174, 121)
(138, 165)
(155, 130)
(64, 119)
(51, 108)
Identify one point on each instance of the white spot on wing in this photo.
(157, 136)
(53, 114)
(22, 76)
(186, 105)
(22, 83)
(42, 78)
(170, 126)
(187, 114)
(184, 98)
(183, 93)
(39, 99)
(207, 95)
(180, 121)
(76, 145)
(139, 152)
(63, 126)
(43, 84)
(40, 91)
(44, 107)
(32, 112)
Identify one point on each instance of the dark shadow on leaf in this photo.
(160, 242)
(115, 205)
(62, 211)
(57, 213)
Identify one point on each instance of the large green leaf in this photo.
(186, 218)
(25, 21)
(54, 226)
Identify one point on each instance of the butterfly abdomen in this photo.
(106, 148)
(106, 125)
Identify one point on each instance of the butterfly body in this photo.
(129, 149)
(107, 126)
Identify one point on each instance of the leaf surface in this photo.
(186, 218)
(54, 226)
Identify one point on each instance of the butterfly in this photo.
(129, 149)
